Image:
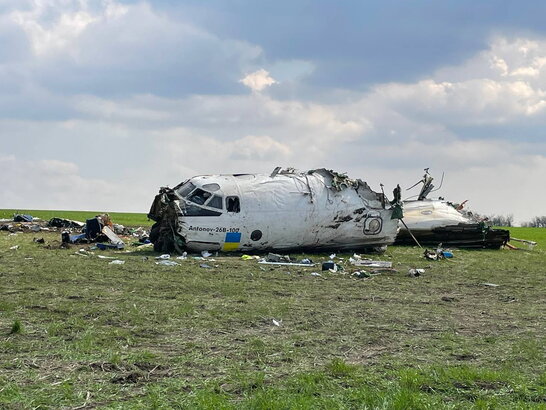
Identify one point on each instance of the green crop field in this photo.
(79, 332)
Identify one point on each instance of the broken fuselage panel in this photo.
(435, 221)
(286, 210)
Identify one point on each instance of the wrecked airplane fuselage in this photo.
(286, 210)
(434, 221)
(437, 221)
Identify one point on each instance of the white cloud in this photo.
(108, 47)
(258, 148)
(51, 184)
(68, 23)
(258, 80)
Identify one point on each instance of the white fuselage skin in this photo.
(285, 212)
(429, 214)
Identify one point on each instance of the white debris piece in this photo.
(166, 262)
(117, 262)
(415, 272)
(116, 240)
(307, 265)
(371, 264)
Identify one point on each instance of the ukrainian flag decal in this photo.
(233, 239)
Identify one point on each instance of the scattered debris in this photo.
(249, 257)
(530, 244)
(205, 266)
(14, 248)
(265, 262)
(491, 285)
(117, 262)
(114, 239)
(22, 218)
(277, 323)
(167, 262)
(316, 274)
(361, 274)
(330, 266)
(38, 240)
(435, 255)
(370, 263)
(273, 257)
(65, 223)
(430, 255)
(525, 241)
(97, 229)
(183, 256)
(414, 273)
(164, 256)
(205, 254)
(118, 229)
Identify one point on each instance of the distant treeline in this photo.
(501, 220)
(508, 220)
(536, 222)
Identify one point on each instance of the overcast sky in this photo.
(104, 101)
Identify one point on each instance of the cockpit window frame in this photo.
(202, 194)
(187, 193)
(220, 200)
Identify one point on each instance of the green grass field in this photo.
(77, 332)
(127, 219)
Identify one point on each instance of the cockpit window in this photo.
(232, 204)
(213, 187)
(193, 210)
(185, 189)
(199, 196)
(215, 202)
